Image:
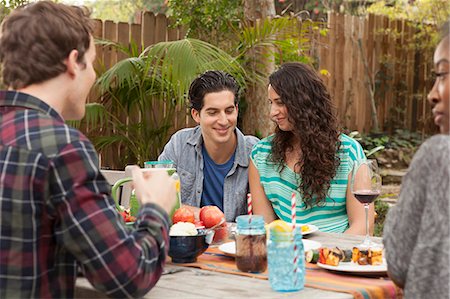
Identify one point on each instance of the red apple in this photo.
(199, 224)
(211, 215)
(183, 214)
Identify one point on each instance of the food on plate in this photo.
(361, 256)
(355, 254)
(183, 229)
(347, 255)
(371, 256)
(183, 214)
(305, 228)
(330, 256)
(312, 256)
(376, 256)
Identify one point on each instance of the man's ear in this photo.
(71, 62)
(195, 115)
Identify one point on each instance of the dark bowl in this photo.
(186, 249)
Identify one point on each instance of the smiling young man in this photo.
(56, 211)
(212, 158)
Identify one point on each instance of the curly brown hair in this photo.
(311, 112)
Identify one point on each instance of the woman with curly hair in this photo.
(306, 155)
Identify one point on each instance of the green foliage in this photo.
(222, 24)
(419, 11)
(424, 15)
(381, 208)
(123, 10)
(374, 146)
(6, 6)
(399, 139)
(208, 20)
(279, 39)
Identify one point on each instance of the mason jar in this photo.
(286, 259)
(251, 252)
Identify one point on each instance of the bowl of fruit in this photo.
(210, 218)
(187, 242)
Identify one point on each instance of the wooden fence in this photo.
(360, 50)
(359, 53)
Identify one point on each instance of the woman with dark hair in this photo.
(416, 233)
(306, 155)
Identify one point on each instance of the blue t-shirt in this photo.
(214, 176)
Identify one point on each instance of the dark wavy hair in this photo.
(311, 112)
(211, 81)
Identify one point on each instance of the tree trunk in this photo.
(256, 116)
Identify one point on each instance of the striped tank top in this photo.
(278, 187)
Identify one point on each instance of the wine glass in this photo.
(366, 187)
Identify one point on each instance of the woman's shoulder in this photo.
(435, 148)
(350, 146)
(265, 142)
(263, 147)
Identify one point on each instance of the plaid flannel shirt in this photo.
(57, 213)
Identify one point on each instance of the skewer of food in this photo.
(334, 255)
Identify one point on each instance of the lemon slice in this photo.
(280, 226)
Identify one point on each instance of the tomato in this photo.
(211, 215)
(322, 258)
(127, 217)
(183, 214)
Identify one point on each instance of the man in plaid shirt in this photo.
(56, 209)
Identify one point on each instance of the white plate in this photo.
(230, 247)
(355, 268)
(312, 229)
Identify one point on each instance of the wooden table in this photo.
(183, 282)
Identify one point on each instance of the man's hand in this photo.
(154, 187)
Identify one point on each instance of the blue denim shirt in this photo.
(185, 150)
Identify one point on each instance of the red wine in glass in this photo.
(366, 196)
(366, 187)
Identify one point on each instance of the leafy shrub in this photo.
(381, 208)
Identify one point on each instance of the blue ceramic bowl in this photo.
(186, 249)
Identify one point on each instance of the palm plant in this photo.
(139, 95)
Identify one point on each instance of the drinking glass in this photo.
(366, 187)
(167, 165)
(286, 263)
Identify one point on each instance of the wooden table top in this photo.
(184, 282)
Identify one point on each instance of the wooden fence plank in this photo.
(331, 59)
(148, 29)
(160, 28)
(109, 54)
(339, 66)
(347, 100)
(135, 36)
(123, 38)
